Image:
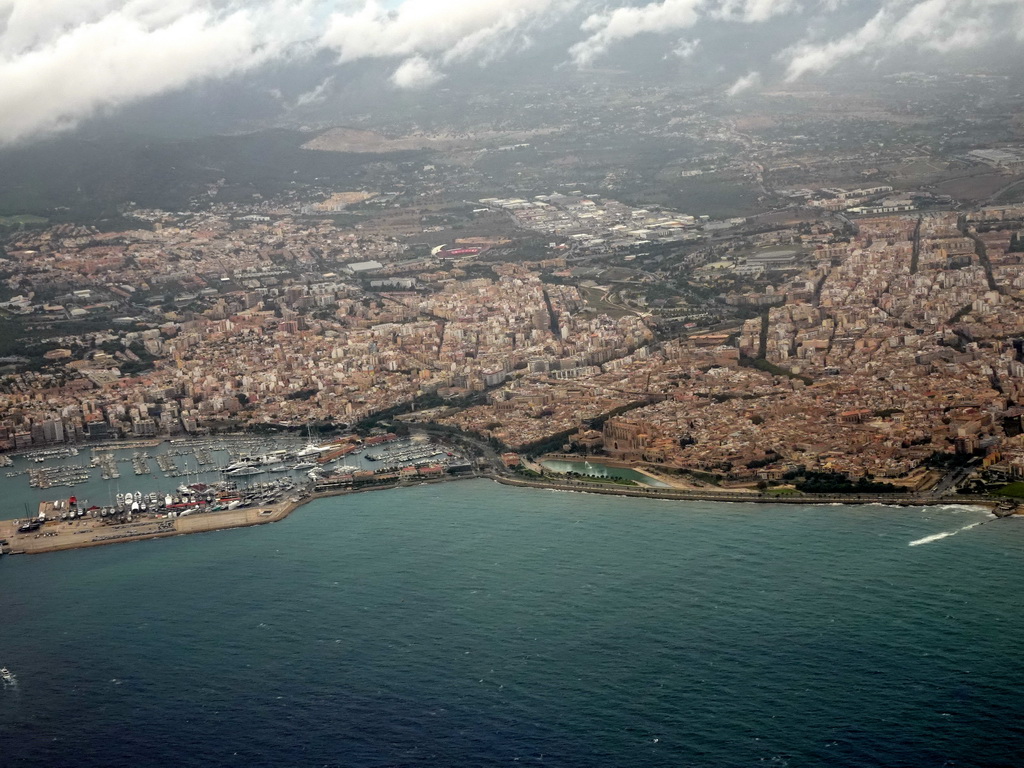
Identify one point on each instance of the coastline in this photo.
(677, 494)
(76, 535)
(68, 536)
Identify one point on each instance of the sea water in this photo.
(472, 624)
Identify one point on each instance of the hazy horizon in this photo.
(195, 66)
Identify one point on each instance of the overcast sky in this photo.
(63, 61)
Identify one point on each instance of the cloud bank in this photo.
(62, 62)
(940, 26)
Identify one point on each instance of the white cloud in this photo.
(314, 95)
(453, 30)
(753, 11)
(55, 76)
(416, 72)
(610, 27)
(745, 83)
(62, 61)
(940, 26)
(685, 49)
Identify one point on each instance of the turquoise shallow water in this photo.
(472, 624)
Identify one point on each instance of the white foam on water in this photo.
(962, 508)
(933, 537)
(943, 535)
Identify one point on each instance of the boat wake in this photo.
(944, 534)
(8, 678)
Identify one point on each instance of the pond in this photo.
(597, 469)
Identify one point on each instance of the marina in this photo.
(227, 483)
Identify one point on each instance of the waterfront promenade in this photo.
(743, 495)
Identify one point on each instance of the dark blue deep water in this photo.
(476, 625)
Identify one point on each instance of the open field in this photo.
(1011, 193)
(21, 220)
(975, 187)
(1013, 491)
(598, 304)
(357, 140)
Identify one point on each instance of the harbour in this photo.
(239, 481)
(228, 484)
(88, 532)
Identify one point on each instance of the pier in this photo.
(58, 535)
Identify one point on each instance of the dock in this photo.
(57, 535)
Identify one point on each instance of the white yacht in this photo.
(273, 457)
(243, 471)
(244, 462)
(309, 451)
